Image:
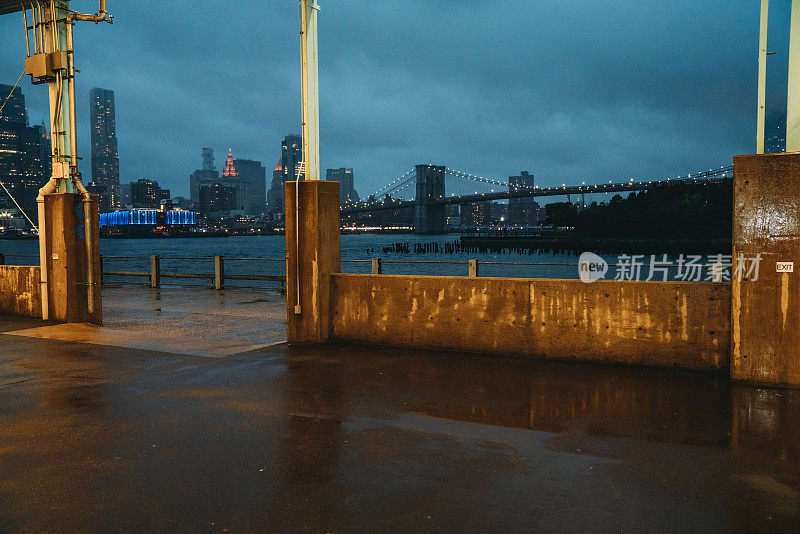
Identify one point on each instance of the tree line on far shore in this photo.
(686, 211)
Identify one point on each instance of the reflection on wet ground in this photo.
(251, 316)
(356, 438)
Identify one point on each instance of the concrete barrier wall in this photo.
(665, 324)
(19, 291)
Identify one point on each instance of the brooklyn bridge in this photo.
(429, 183)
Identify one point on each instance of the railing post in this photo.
(155, 271)
(377, 266)
(2, 259)
(473, 268)
(219, 272)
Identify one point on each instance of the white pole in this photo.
(793, 97)
(762, 76)
(308, 29)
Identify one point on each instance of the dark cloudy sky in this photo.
(569, 90)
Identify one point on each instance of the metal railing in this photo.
(216, 278)
(474, 265)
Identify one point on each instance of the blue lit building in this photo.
(146, 221)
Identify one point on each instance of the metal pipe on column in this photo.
(310, 118)
(310, 88)
(51, 38)
(43, 286)
(73, 171)
(762, 76)
(793, 94)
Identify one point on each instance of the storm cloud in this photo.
(570, 90)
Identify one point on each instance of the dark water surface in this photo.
(354, 247)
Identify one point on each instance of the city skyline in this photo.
(387, 102)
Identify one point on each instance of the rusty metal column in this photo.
(765, 286)
(314, 257)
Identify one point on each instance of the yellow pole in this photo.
(762, 76)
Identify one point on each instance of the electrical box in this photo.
(41, 67)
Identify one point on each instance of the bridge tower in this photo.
(429, 212)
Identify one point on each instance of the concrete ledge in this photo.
(664, 324)
(19, 291)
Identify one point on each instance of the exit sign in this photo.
(784, 267)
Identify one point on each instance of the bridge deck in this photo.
(592, 189)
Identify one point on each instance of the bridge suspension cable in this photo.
(408, 184)
(474, 178)
(388, 186)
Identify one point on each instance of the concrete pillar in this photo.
(67, 285)
(318, 256)
(765, 320)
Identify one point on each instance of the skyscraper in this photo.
(105, 158)
(14, 109)
(147, 194)
(24, 154)
(247, 177)
(208, 159)
(207, 175)
(230, 178)
(217, 198)
(274, 201)
(522, 211)
(253, 178)
(476, 213)
(291, 157)
(347, 190)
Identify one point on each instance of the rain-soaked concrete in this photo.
(351, 438)
(246, 315)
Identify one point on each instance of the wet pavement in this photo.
(247, 316)
(350, 438)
